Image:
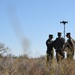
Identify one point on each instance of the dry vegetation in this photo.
(29, 66)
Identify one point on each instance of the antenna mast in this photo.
(64, 23)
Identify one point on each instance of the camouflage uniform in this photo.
(49, 49)
(58, 45)
(70, 47)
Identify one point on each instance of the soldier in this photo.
(70, 46)
(58, 45)
(49, 48)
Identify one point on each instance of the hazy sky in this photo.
(35, 19)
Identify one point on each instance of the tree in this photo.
(3, 49)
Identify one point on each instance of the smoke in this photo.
(16, 25)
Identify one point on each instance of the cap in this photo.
(50, 35)
(59, 33)
(67, 34)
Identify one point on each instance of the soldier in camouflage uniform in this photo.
(49, 48)
(70, 46)
(58, 45)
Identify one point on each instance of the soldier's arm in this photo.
(47, 44)
(54, 44)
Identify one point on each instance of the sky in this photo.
(34, 20)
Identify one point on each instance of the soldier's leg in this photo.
(69, 56)
(62, 55)
(57, 57)
(70, 53)
(52, 54)
(47, 57)
(72, 57)
(51, 57)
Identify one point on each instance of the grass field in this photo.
(35, 66)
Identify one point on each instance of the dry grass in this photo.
(38, 66)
